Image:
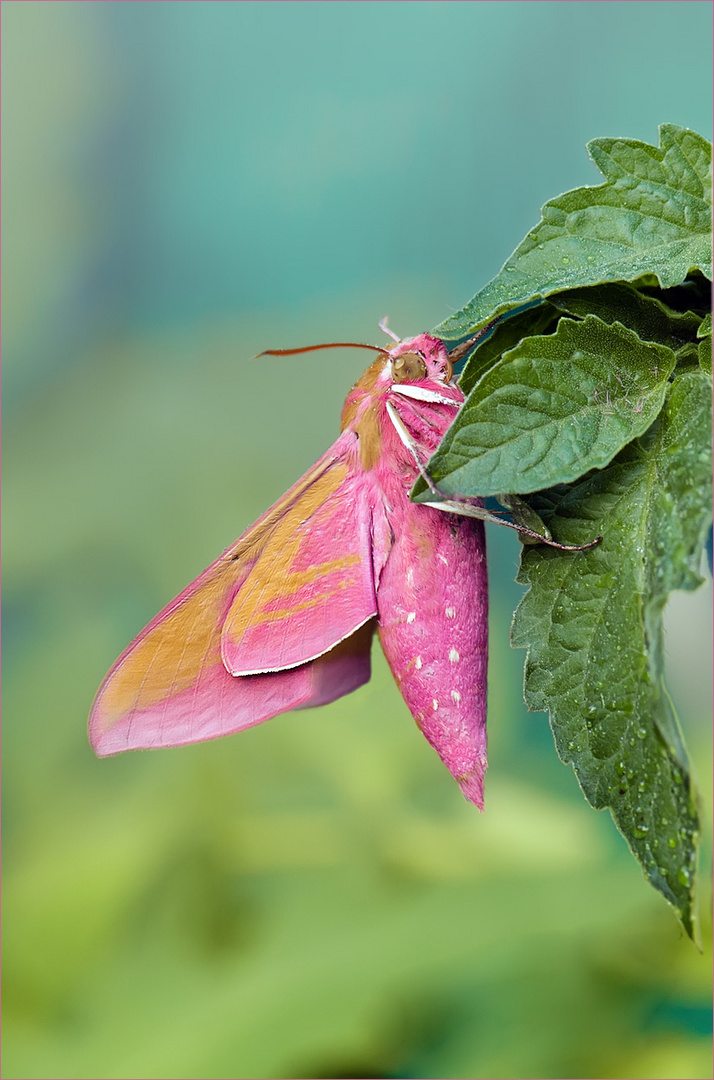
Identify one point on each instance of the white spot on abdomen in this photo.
(444, 560)
(411, 616)
(455, 696)
(410, 576)
(450, 612)
(417, 663)
(454, 656)
(435, 703)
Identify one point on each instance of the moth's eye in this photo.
(408, 367)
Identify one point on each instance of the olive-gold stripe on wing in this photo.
(274, 578)
(169, 657)
(320, 574)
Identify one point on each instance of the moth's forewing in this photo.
(171, 685)
(312, 584)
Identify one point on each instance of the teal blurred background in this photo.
(185, 185)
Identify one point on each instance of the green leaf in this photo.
(651, 319)
(705, 345)
(688, 358)
(652, 216)
(552, 408)
(592, 624)
(509, 332)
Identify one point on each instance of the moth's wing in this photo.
(171, 687)
(313, 583)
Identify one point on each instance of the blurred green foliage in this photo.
(186, 184)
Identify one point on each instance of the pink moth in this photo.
(284, 618)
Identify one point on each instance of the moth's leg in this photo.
(445, 502)
(460, 351)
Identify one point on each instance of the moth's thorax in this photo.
(416, 360)
(363, 389)
(360, 412)
(419, 363)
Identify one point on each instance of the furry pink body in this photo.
(284, 618)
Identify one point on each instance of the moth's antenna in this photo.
(327, 345)
(385, 329)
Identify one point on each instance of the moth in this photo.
(284, 618)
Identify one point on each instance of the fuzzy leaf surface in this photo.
(652, 216)
(551, 409)
(592, 624)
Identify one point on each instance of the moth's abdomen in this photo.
(433, 616)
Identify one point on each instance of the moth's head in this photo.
(422, 357)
